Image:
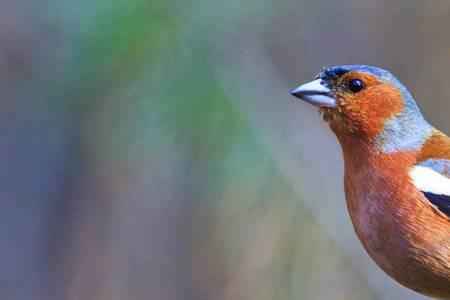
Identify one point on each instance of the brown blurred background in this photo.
(151, 150)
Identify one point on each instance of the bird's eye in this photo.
(355, 85)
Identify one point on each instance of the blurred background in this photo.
(151, 150)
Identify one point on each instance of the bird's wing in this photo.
(431, 174)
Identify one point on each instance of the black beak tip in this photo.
(296, 93)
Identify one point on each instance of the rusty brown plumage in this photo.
(402, 220)
(401, 231)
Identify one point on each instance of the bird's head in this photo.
(367, 104)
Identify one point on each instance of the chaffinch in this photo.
(397, 173)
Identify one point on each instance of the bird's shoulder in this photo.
(436, 146)
(431, 173)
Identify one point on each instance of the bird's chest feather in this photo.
(377, 221)
(392, 220)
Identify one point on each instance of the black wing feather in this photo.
(441, 201)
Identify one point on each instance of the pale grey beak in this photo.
(315, 93)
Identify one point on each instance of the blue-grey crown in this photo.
(404, 132)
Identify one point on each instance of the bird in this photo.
(396, 173)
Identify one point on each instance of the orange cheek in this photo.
(368, 110)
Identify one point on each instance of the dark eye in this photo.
(355, 85)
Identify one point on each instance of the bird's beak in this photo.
(315, 93)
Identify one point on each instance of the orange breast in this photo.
(404, 235)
